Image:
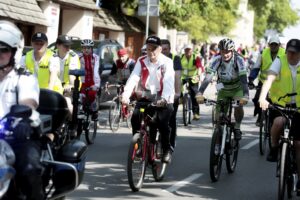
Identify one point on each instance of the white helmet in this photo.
(11, 35)
(87, 43)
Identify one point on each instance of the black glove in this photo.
(23, 130)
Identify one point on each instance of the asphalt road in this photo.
(187, 176)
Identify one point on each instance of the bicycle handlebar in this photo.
(208, 102)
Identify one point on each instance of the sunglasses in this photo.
(5, 50)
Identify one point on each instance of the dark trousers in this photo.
(193, 87)
(173, 123)
(161, 123)
(29, 170)
(257, 109)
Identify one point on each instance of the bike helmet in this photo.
(226, 44)
(11, 36)
(87, 43)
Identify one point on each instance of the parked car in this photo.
(107, 51)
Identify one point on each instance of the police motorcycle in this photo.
(63, 160)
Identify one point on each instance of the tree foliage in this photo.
(272, 14)
(204, 18)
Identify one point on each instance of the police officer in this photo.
(40, 62)
(18, 88)
(67, 60)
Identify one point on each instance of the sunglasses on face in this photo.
(5, 50)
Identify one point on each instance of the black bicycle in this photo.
(223, 142)
(144, 150)
(81, 119)
(187, 107)
(264, 131)
(286, 164)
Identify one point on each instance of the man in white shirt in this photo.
(153, 80)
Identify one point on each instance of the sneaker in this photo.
(196, 117)
(237, 134)
(273, 154)
(167, 156)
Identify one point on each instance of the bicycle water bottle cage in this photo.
(77, 72)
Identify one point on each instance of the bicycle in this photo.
(264, 131)
(187, 107)
(264, 126)
(223, 141)
(142, 151)
(286, 164)
(118, 111)
(80, 119)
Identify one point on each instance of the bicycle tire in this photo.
(137, 155)
(262, 134)
(190, 108)
(91, 131)
(213, 113)
(185, 112)
(114, 115)
(282, 171)
(158, 167)
(215, 159)
(231, 150)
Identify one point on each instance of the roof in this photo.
(23, 10)
(88, 4)
(118, 22)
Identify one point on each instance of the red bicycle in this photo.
(117, 110)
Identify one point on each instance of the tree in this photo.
(203, 18)
(272, 14)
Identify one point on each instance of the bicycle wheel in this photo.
(114, 115)
(158, 167)
(185, 110)
(90, 130)
(136, 162)
(213, 113)
(215, 158)
(231, 150)
(282, 171)
(262, 134)
(190, 109)
(129, 115)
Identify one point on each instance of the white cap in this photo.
(274, 39)
(188, 46)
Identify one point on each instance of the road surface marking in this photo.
(182, 183)
(251, 144)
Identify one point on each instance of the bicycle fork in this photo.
(224, 132)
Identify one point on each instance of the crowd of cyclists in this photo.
(156, 76)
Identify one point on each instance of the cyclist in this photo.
(263, 63)
(287, 68)
(153, 79)
(166, 50)
(232, 80)
(41, 64)
(17, 87)
(67, 60)
(89, 61)
(123, 66)
(192, 68)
